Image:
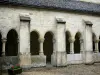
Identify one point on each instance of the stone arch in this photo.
(34, 30)
(51, 32)
(34, 43)
(93, 41)
(0, 44)
(77, 42)
(68, 35)
(48, 46)
(12, 43)
(7, 30)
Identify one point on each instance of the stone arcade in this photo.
(36, 33)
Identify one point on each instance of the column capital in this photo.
(4, 39)
(41, 39)
(71, 40)
(96, 41)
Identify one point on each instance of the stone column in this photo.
(41, 58)
(71, 45)
(96, 46)
(3, 46)
(81, 45)
(41, 46)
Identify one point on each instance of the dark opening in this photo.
(99, 44)
(34, 43)
(12, 44)
(67, 42)
(93, 42)
(48, 46)
(77, 43)
(0, 45)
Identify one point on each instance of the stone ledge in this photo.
(60, 21)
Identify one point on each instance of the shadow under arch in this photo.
(99, 44)
(77, 42)
(34, 43)
(0, 44)
(48, 46)
(93, 41)
(12, 43)
(68, 35)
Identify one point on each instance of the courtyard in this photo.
(35, 33)
(69, 70)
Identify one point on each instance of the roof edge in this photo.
(85, 7)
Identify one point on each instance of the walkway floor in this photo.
(69, 70)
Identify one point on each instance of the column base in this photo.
(89, 57)
(96, 51)
(24, 59)
(3, 54)
(41, 54)
(59, 59)
(71, 52)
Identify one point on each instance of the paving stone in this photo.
(69, 70)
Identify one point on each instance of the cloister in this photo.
(35, 37)
(74, 46)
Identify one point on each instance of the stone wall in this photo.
(42, 20)
(8, 61)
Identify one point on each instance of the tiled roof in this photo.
(71, 5)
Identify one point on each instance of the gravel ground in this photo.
(69, 70)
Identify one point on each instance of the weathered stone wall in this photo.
(42, 20)
(38, 61)
(7, 62)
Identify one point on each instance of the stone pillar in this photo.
(88, 43)
(71, 45)
(41, 46)
(3, 46)
(24, 34)
(96, 46)
(60, 42)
